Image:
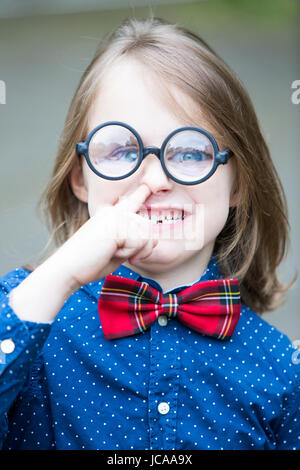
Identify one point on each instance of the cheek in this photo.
(214, 196)
(214, 193)
(102, 192)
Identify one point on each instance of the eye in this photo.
(124, 153)
(190, 156)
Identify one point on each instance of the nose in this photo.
(152, 172)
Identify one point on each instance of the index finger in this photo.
(133, 201)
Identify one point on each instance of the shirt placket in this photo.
(163, 384)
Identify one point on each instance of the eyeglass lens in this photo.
(114, 151)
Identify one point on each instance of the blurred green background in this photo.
(45, 47)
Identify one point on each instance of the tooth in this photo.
(162, 216)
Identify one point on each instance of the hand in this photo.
(113, 235)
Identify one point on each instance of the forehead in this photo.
(133, 93)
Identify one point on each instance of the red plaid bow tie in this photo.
(127, 307)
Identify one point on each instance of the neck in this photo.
(187, 272)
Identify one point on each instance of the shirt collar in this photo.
(212, 272)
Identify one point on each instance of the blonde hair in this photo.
(255, 238)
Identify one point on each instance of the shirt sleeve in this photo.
(288, 429)
(20, 344)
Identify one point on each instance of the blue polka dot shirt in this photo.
(63, 386)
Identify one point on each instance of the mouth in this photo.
(163, 216)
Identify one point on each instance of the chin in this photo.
(183, 248)
(164, 256)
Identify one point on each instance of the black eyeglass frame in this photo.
(220, 157)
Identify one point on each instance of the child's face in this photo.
(129, 94)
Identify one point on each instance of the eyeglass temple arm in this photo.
(81, 148)
(222, 157)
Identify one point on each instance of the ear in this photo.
(77, 183)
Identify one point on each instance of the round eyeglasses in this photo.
(188, 155)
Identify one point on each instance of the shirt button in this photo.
(7, 346)
(162, 320)
(163, 408)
